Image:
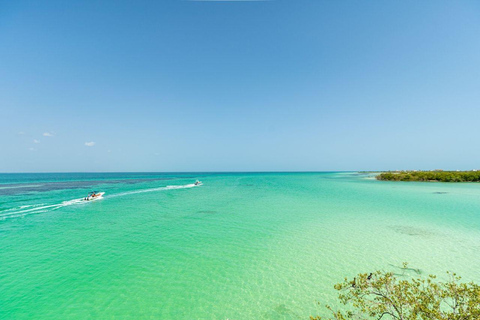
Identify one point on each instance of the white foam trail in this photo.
(31, 205)
(153, 190)
(182, 187)
(38, 208)
(25, 207)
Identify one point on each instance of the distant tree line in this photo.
(442, 176)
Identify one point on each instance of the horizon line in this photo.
(254, 171)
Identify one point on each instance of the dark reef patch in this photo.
(207, 211)
(406, 270)
(282, 312)
(16, 189)
(412, 231)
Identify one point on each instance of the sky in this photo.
(279, 85)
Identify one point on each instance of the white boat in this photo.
(94, 195)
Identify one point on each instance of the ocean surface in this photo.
(240, 246)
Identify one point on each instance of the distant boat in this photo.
(94, 195)
(198, 183)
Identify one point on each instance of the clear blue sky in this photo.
(239, 85)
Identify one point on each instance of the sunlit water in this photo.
(241, 246)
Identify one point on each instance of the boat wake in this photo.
(42, 207)
(36, 208)
(186, 186)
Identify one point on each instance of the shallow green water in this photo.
(241, 246)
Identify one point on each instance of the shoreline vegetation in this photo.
(405, 297)
(426, 176)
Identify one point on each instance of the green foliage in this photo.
(381, 295)
(442, 176)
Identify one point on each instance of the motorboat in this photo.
(94, 195)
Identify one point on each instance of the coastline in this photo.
(430, 176)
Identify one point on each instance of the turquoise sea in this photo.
(241, 246)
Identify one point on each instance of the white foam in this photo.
(38, 208)
(181, 187)
(153, 190)
(31, 205)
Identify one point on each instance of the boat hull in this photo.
(96, 197)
